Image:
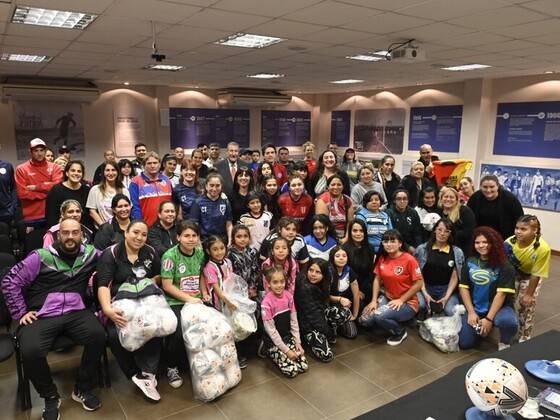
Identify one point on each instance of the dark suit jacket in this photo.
(223, 168)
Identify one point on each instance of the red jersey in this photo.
(399, 275)
(299, 210)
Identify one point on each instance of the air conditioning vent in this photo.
(252, 98)
(48, 93)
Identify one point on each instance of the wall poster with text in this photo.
(285, 128)
(190, 126)
(528, 129)
(379, 130)
(340, 127)
(56, 123)
(438, 126)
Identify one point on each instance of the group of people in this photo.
(325, 245)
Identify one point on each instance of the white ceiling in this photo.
(516, 37)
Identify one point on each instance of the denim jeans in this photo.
(389, 319)
(505, 321)
(438, 292)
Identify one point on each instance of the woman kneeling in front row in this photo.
(400, 274)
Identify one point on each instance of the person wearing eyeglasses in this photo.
(441, 263)
(406, 220)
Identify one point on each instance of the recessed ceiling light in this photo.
(52, 18)
(370, 56)
(25, 58)
(164, 67)
(126, 83)
(466, 67)
(265, 76)
(347, 81)
(249, 41)
(549, 72)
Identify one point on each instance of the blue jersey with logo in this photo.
(211, 216)
(484, 282)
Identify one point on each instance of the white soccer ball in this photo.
(496, 387)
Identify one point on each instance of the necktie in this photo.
(233, 171)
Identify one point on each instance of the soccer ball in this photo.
(496, 387)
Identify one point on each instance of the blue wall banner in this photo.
(190, 126)
(528, 129)
(340, 127)
(285, 128)
(438, 126)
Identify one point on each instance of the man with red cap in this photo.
(34, 179)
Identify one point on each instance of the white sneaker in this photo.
(173, 377)
(503, 346)
(147, 384)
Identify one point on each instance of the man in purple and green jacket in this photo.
(55, 282)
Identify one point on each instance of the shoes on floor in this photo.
(175, 381)
(50, 411)
(147, 384)
(88, 399)
(397, 339)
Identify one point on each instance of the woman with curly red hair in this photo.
(487, 288)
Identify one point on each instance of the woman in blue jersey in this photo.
(376, 220)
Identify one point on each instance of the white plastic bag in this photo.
(146, 318)
(444, 331)
(208, 338)
(242, 320)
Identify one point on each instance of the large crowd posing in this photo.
(329, 247)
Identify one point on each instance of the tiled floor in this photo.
(365, 374)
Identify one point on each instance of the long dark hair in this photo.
(118, 180)
(320, 170)
(325, 221)
(360, 257)
(423, 194)
(323, 288)
(243, 170)
(334, 269)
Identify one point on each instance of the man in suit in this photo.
(228, 167)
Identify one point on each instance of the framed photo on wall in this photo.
(535, 187)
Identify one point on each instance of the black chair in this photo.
(4, 229)
(6, 341)
(6, 261)
(32, 241)
(6, 244)
(62, 342)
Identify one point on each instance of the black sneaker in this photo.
(397, 339)
(242, 360)
(88, 400)
(51, 408)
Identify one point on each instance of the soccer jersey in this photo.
(211, 216)
(377, 225)
(528, 260)
(484, 282)
(184, 270)
(338, 211)
(259, 227)
(299, 210)
(298, 248)
(399, 275)
(217, 273)
(318, 250)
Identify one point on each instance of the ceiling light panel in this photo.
(265, 76)
(249, 41)
(52, 18)
(25, 58)
(466, 67)
(371, 56)
(164, 67)
(347, 81)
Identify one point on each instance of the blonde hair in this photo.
(414, 164)
(455, 213)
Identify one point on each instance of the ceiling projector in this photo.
(408, 55)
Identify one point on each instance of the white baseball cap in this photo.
(36, 142)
